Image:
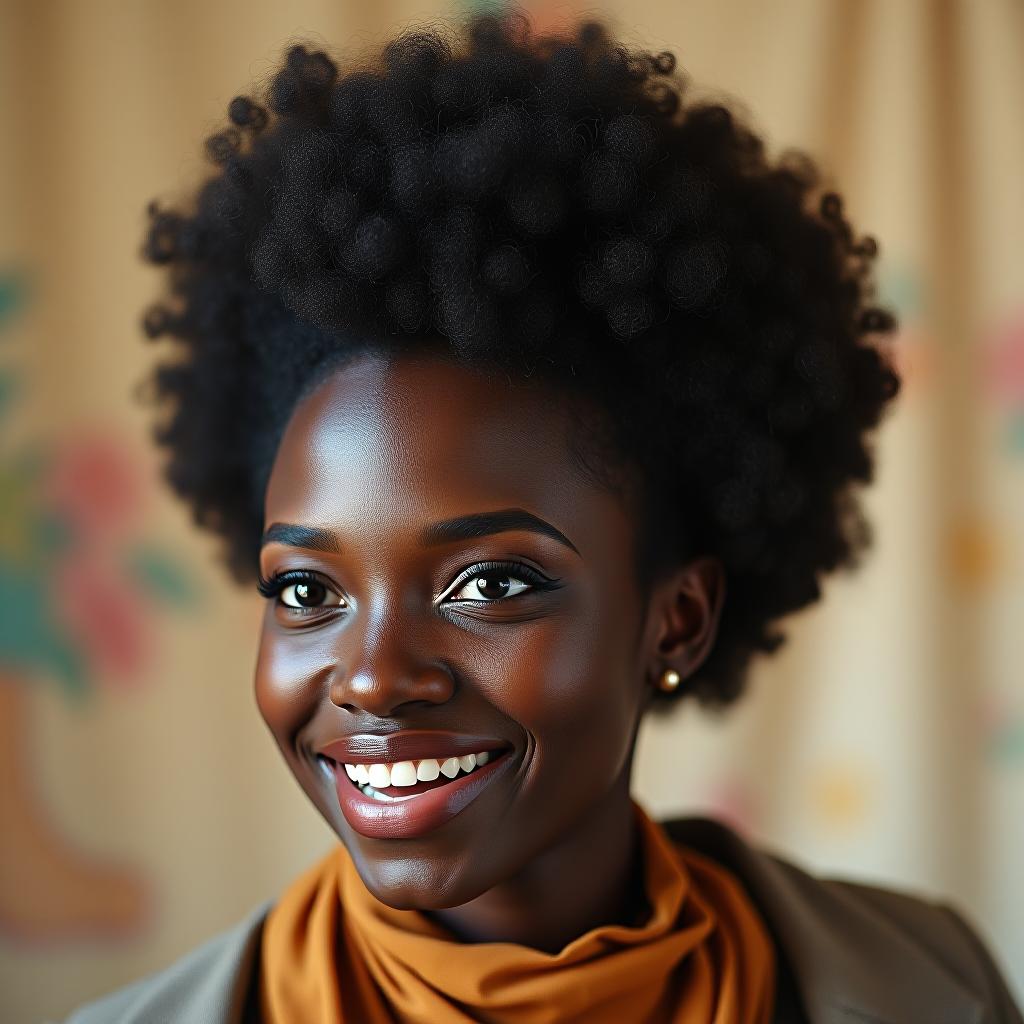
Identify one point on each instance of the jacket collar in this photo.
(837, 939)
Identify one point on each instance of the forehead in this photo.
(418, 438)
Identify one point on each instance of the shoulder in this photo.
(950, 937)
(209, 983)
(859, 949)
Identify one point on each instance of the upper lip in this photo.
(409, 745)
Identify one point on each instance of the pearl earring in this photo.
(669, 680)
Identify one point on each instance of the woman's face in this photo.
(397, 623)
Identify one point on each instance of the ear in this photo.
(685, 610)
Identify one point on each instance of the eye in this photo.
(301, 591)
(309, 594)
(490, 586)
(497, 581)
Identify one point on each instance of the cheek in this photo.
(574, 692)
(289, 681)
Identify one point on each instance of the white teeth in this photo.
(403, 773)
(408, 773)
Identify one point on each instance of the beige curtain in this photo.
(143, 807)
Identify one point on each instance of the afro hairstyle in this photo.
(559, 206)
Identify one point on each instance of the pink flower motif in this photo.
(730, 801)
(94, 483)
(1005, 362)
(107, 618)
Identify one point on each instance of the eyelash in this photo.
(516, 570)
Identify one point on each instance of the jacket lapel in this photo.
(856, 952)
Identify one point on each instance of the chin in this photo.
(406, 886)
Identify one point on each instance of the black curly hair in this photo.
(553, 205)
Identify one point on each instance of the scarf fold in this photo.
(331, 953)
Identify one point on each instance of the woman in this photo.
(531, 397)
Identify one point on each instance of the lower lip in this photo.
(414, 815)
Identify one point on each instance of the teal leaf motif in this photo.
(158, 574)
(1015, 433)
(13, 295)
(484, 6)
(30, 637)
(1008, 743)
(8, 390)
(900, 286)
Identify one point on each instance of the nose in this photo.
(385, 666)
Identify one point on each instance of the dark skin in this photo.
(382, 449)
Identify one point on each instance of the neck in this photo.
(593, 876)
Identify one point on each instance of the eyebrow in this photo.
(313, 537)
(481, 524)
(468, 527)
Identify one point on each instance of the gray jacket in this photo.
(848, 953)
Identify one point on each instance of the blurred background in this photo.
(142, 804)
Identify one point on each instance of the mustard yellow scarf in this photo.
(333, 954)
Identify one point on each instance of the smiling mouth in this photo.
(429, 774)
